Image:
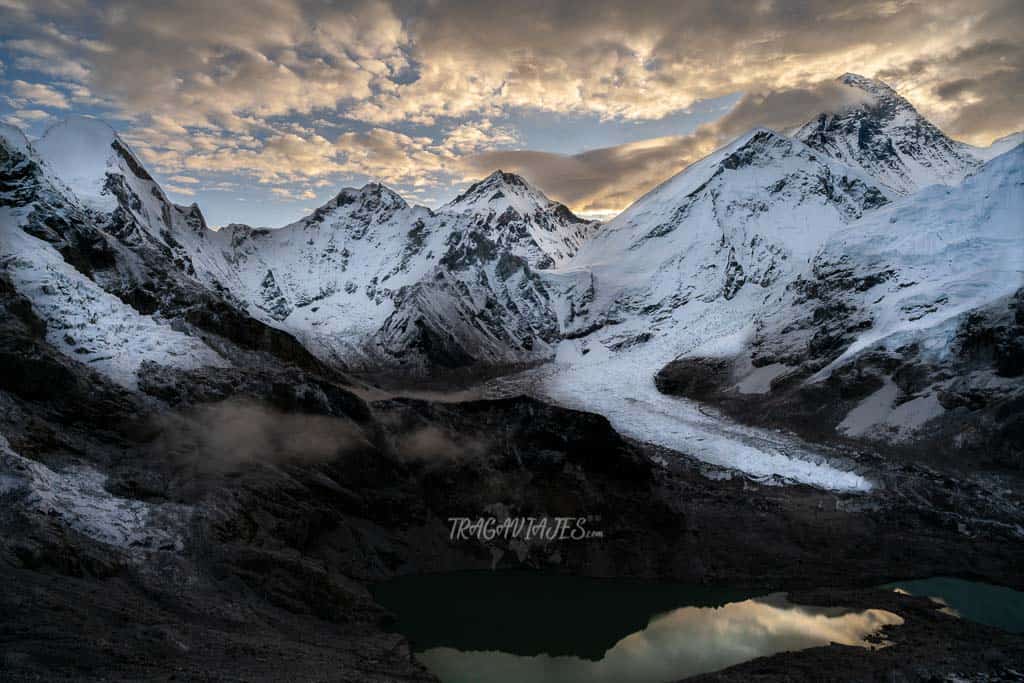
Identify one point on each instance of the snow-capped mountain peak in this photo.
(498, 191)
(82, 151)
(371, 203)
(89, 160)
(736, 224)
(871, 86)
(516, 215)
(372, 195)
(889, 140)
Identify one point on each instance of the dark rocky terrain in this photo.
(246, 554)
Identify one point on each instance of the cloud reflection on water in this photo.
(683, 642)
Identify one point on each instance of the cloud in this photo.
(291, 91)
(434, 446)
(607, 180)
(973, 91)
(383, 62)
(178, 189)
(308, 157)
(643, 60)
(281, 158)
(292, 194)
(39, 94)
(33, 114)
(239, 433)
(23, 118)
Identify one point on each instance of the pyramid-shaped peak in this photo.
(868, 85)
(497, 186)
(507, 179)
(888, 139)
(759, 141)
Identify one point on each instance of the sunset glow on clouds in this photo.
(261, 110)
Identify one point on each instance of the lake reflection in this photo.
(683, 642)
(536, 627)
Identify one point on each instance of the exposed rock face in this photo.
(521, 220)
(741, 221)
(116, 261)
(888, 140)
(480, 304)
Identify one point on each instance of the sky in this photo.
(260, 111)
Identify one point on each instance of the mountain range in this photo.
(867, 263)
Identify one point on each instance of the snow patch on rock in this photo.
(87, 323)
(76, 498)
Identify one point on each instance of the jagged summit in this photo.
(517, 215)
(498, 191)
(376, 194)
(869, 85)
(889, 140)
(371, 203)
(495, 182)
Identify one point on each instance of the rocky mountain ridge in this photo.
(369, 283)
(889, 140)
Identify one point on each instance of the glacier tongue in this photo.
(620, 386)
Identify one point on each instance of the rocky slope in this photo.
(183, 528)
(905, 329)
(522, 220)
(366, 281)
(889, 140)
